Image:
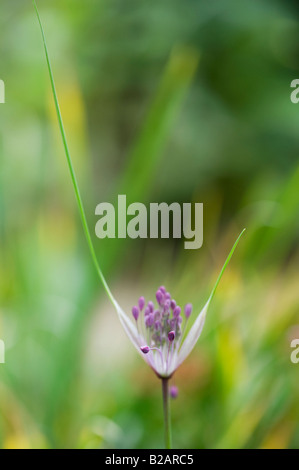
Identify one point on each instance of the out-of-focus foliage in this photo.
(166, 100)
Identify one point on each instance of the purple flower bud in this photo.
(162, 289)
(171, 336)
(145, 349)
(147, 311)
(151, 306)
(166, 304)
(173, 323)
(188, 310)
(135, 312)
(177, 311)
(167, 295)
(159, 296)
(141, 303)
(158, 325)
(157, 315)
(149, 321)
(179, 319)
(174, 391)
(173, 304)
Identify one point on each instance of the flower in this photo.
(168, 349)
(164, 354)
(158, 332)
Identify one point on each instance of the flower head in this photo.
(161, 328)
(158, 332)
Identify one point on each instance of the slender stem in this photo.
(166, 410)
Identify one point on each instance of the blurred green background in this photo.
(163, 100)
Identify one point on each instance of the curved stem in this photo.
(166, 410)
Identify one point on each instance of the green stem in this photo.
(71, 168)
(166, 410)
